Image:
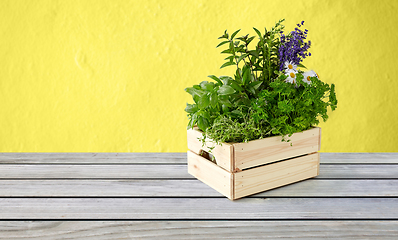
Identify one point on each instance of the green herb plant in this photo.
(258, 101)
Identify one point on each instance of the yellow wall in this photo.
(109, 76)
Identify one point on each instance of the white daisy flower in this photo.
(288, 66)
(291, 76)
(307, 76)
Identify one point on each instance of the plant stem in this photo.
(233, 52)
(269, 62)
(250, 65)
(264, 59)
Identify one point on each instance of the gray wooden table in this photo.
(151, 195)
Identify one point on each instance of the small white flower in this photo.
(307, 76)
(289, 66)
(291, 76)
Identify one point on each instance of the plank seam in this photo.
(202, 220)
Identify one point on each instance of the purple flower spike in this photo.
(293, 47)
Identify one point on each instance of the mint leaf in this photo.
(225, 90)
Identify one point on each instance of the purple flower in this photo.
(293, 47)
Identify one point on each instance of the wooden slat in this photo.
(272, 149)
(336, 188)
(199, 208)
(55, 230)
(20, 171)
(275, 175)
(359, 158)
(170, 158)
(223, 153)
(93, 171)
(94, 158)
(358, 171)
(320, 139)
(211, 174)
(190, 188)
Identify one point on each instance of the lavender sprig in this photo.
(293, 47)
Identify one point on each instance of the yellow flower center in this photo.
(309, 79)
(290, 66)
(292, 75)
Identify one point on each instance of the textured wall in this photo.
(108, 76)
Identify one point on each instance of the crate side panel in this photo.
(318, 163)
(319, 141)
(267, 150)
(210, 174)
(274, 175)
(223, 153)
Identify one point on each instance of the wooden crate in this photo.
(242, 169)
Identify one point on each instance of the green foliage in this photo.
(254, 70)
(286, 108)
(259, 64)
(283, 109)
(257, 102)
(240, 128)
(215, 99)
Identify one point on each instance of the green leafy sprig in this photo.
(285, 108)
(257, 102)
(262, 62)
(254, 70)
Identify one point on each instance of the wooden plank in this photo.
(55, 230)
(211, 174)
(359, 158)
(271, 149)
(20, 171)
(359, 171)
(223, 153)
(275, 175)
(94, 158)
(171, 158)
(199, 208)
(190, 188)
(336, 188)
(319, 139)
(9, 171)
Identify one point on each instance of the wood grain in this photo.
(190, 188)
(358, 171)
(171, 158)
(60, 230)
(156, 187)
(93, 158)
(359, 158)
(199, 208)
(114, 171)
(274, 175)
(211, 174)
(21, 171)
(223, 153)
(272, 149)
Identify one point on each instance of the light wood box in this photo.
(243, 169)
